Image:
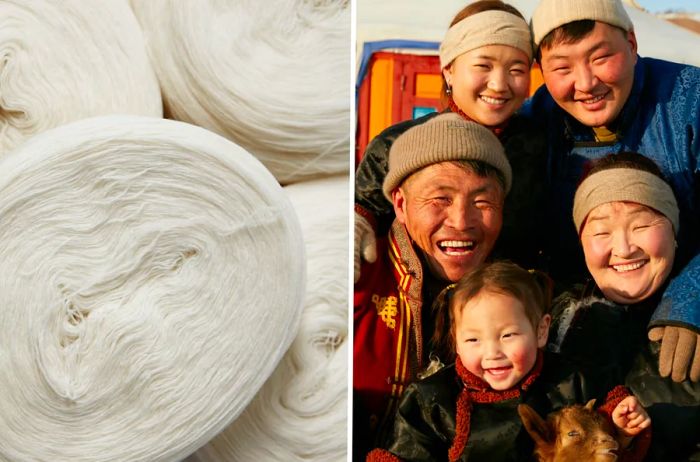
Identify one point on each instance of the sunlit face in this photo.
(592, 79)
(452, 215)
(495, 339)
(489, 83)
(629, 250)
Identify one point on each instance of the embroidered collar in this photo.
(476, 390)
(481, 392)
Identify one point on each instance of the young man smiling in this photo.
(599, 98)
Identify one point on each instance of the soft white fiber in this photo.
(151, 279)
(66, 60)
(272, 76)
(301, 412)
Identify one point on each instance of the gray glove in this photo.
(365, 243)
(680, 352)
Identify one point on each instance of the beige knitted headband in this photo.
(493, 27)
(446, 137)
(551, 14)
(628, 185)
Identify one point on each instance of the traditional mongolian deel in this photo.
(152, 279)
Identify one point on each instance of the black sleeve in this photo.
(416, 436)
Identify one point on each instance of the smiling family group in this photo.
(476, 291)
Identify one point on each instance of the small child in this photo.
(469, 411)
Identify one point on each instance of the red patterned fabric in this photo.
(381, 455)
(477, 390)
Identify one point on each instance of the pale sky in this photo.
(691, 6)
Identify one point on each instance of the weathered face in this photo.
(452, 215)
(495, 339)
(592, 79)
(629, 250)
(489, 83)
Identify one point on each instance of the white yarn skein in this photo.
(61, 61)
(152, 278)
(301, 412)
(273, 78)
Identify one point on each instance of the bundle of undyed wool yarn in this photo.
(301, 412)
(151, 279)
(273, 78)
(68, 60)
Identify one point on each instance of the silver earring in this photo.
(448, 91)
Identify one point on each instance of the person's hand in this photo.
(365, 243)
(630, 418)
(680, 352)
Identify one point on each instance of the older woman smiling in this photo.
(627, 218)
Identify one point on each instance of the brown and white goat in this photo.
(574, 433)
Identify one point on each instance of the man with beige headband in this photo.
(600, 97)
(447, 181)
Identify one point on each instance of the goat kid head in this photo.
(573, 433)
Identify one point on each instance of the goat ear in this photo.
(589, 405)
(534, 424)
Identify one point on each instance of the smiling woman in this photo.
(627, 218)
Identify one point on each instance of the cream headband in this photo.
(625, 184)
(492, 27)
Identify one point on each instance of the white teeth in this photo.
(593, 100)
(456, 247)
(498, 372)
(490, 100)
(457, 244)
(628, 267)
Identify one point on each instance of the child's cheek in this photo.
(524, 358)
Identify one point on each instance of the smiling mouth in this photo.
(457, 248)
(593, 100)
(494, 101)
(498, 372)
(627, 267)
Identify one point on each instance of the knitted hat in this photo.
(446, 137)
(628, 185)
(551, 14)
(492, 27)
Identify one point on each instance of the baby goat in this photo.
(574, 433)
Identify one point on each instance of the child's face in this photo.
(495, 339)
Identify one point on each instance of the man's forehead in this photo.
(601, 35)
(450, 176)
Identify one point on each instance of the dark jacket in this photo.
(600, 335)
(430, 424)
(520, 239)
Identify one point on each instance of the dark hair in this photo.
(532, 288)
(569, 33)
(625, 159)
(470, 10)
